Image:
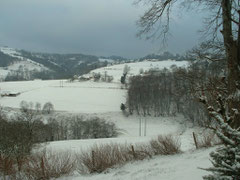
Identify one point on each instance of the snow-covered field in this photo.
(84, 97)
(117, 70)
(103, 100)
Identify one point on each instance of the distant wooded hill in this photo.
(24, 65)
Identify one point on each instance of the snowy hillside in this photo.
(103, 100)
(19, 64)
(135, 67)
(44, 65)
(25, 62)
(84, 97)
(13, 53)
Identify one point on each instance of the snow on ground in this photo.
(177, 167)
(23, 63)
(106, 60)
(10, 51)
(26, 65)
(13, 53)
(117, 70)
(84, 97)
(129, 131)
(184, 166)
(103, 100)
(23, 66)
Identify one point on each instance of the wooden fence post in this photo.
(195, 140)
(93, 159)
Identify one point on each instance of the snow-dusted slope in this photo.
(28, 63)
(103, 100)
(84, 97)
(117, 70)
(178, 167)
(20, 63)
(3, 73)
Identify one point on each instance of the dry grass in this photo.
(7, 165)
(141, 151)
(207, 139)
(47, 165)
(165, 145)
(102, 157)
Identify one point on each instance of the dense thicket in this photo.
(164, 56)
(167, 92)
(34, 125)
(6, 60)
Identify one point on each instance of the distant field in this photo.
(82, 97)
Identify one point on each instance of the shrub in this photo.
(15, 143)
(208, 139)
(165, 145)
(48, 108)
(140, 151)
(92, 128)
(103, 157)
(6, 166)
(47, 165)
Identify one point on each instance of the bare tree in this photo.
(225, 18)
(226, 93)
(48, 108)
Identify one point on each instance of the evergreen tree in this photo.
(123, 107)
(226, 159)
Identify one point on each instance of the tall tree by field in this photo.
(225, 18)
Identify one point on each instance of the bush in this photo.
(6, 166)
(141, 151)
(48, 108)
(92, 128)
(46, 165)
(15, 143)
(103, 157)
(208, 139)
(165, 145)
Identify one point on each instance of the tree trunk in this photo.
(232, 51)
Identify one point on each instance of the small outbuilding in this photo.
(10, 94)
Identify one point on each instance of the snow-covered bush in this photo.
(48, 165)
(207, 139)
(102, 157)
(226, 158)
(165, 145)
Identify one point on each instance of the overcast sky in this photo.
(97, 27)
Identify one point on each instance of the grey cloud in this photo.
(100, 27)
